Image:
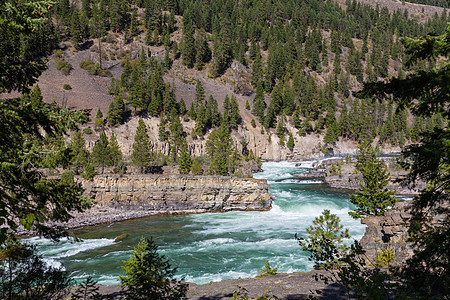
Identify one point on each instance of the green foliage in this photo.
(86, 290)
(25, 275)
(385, 258)
(290, 144)
(29, 198)
(115, 153)
(149, 275)
(141, 155)
(188, 49)
(67, 87)
(247, 105)
(336, 169)
(101, 154)
(63, 66)
(21, 26)
(425, 93)
(196, 168)
(218, 148)
(94, 69)
(89, 172)
(185, 162)
(88, 131)
(324, 241)
(78, 153)
(99, 118)
(267, 270)
(116, 111)
(372, 199)
(346, 266)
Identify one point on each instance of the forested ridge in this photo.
(342, 74)
(308, 56)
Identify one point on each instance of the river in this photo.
(212, 246)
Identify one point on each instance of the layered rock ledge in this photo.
(125, 197)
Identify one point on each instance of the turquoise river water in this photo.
(212, 246)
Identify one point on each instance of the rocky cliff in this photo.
(389, 232)
(132, 196)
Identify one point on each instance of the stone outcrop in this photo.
(132, 196)
(162, 193)
(389, 232)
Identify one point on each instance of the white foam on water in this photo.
(215, 277)
(233, 244)
(309, 181)
(66, 248)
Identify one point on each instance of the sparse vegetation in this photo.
(267, 270)
(94, 68)
(62, 65)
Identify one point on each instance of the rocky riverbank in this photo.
(122, 197)
(284, 286)
(341, 174)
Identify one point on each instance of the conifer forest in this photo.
(214, 88)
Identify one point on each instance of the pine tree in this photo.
(324, 240)
(87, 289)
(148, 275)
(290, 144)
(116, 111)
(134, 23)
(218, 148)
(188, 50)
(280, 131)
(101, 156)
(203, 54)
(76, 32)
(213, 117)
(182, 107)
(114, 150)
(141, 155)
(99, 118)
(196, 168)
(372, 199)
(258, 71)
(176, 139)
(162, 133)
(185, 162)
(78, 153)
(247, 105)
(258, 102)
(234, 115)
(332, 133)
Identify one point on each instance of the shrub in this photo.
(149, 275)
(253, 123)
(63, 66)
(94, 69)
(87, 289)
(267, 270)
(89, 172)
(110, 38)
(87, 130)
(67, 87)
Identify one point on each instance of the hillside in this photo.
(323, 87)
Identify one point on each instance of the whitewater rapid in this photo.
(213, 246)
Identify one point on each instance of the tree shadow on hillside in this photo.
(216, 297)
(329, 292)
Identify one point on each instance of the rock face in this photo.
(124, 197)
(389, 231)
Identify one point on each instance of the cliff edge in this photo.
(122, 197)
